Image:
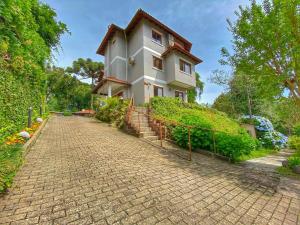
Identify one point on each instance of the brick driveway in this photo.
(84, 172)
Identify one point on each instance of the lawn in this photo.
(257, 154)
(10, 161)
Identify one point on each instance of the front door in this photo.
(179, 94)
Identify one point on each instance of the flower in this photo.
(267, 134)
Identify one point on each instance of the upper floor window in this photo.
(156, 37)
(185, 67)
(157, 63)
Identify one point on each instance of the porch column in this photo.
(186, 96)
(109, 90)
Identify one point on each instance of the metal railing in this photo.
(160, 127)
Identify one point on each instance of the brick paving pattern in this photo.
(84, 172)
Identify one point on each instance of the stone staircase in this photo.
(139, 121)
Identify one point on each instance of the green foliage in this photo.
(261, 152)
(28, 32)
(112, 110)
(296, 129)
(86, 68)
(194, 94)
(231, 140)
(293, 161)
(174, 109)
(67, 113)
(294, 142)
(65, 92)
(261, 35)
(10, 161)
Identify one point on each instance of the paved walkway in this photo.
(270, 162)
(84, 172)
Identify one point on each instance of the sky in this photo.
(202, 22)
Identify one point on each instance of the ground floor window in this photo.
(179, 94)
(158, 91)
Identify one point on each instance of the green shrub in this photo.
(112, 110)
(201, 137)
(234, 146)
(293, 161)
(10, 161)
(174, 109)
(294, 142)
(67, 113)
(232, 141)
(296, 130)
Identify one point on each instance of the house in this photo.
(146, 59)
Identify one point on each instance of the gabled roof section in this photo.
(110, 32)
(140, 14)
(183, 51)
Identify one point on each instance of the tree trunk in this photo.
(249, 103)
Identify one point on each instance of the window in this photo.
(158, 91)
(179, 94)
(157, 63)
(156, 37)
(185, 67)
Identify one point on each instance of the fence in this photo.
(162, 127)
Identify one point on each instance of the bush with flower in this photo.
(17, 139)
(266, 133)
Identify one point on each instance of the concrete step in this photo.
(145, 129)
(151, 138)
(147, 133)
(142, 124)
(142, 120)
(135, 114)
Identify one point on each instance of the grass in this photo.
(287, 172)
(10, 161)
(257, 154)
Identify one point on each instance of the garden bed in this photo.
(12, 153)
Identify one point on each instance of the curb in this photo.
(26, 147)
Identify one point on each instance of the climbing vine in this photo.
(28, 32)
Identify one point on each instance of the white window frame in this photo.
(155, 85)
(162, 63)
(190, 74)
(153, 40)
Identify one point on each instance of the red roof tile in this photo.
(183, 51)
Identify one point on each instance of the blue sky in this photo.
(203, 22)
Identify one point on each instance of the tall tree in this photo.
(195, 93)
(86, 68)
(66, 92)
(266, 43)
(241, 95)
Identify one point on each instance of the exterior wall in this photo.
(138, 92)
(115, 57)
(135, 50)
(180, 76)
(168, 91)
(142, 48)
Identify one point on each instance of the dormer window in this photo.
(156, 37)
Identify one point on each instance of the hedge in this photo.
(231, 140)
